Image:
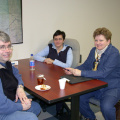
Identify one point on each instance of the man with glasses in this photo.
(14, 104)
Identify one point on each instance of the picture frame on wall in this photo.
(11, 19)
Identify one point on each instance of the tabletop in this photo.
(52, 74)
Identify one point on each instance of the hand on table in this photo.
(73, 71)
(48, 61)
(68, 71)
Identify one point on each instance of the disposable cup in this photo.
(62, 83)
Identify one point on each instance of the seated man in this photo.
(14, 104)
(103, 63)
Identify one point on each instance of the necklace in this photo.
(97, 60)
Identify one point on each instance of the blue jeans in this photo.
(30, 114)
(107, 102)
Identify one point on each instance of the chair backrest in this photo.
(76, 50)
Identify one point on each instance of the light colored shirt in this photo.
(98, 53)
(41, 56)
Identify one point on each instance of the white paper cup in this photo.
(62, 83)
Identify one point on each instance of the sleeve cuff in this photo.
(19, 106)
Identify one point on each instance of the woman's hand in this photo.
(48, 61)
(68, 71)
(76, 72)
(73, 71)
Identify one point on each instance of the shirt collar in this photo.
(64, 46)
(2, 65)
(99, 52)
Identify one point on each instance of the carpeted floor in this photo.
(51, 111)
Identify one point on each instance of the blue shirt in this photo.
(8, 106)
(40, 56)
(108, 68)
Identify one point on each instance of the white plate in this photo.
(38, 87)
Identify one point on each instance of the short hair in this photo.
(103, 31)
(58, 32)
(4, 37)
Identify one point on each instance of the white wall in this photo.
(78, 18)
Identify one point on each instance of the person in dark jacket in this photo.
(103, 63)
(56, 53)
(59, 54)
(14, 104)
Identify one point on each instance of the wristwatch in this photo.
(20, 86)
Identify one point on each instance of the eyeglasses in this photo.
(58, 39)
(3, 47)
